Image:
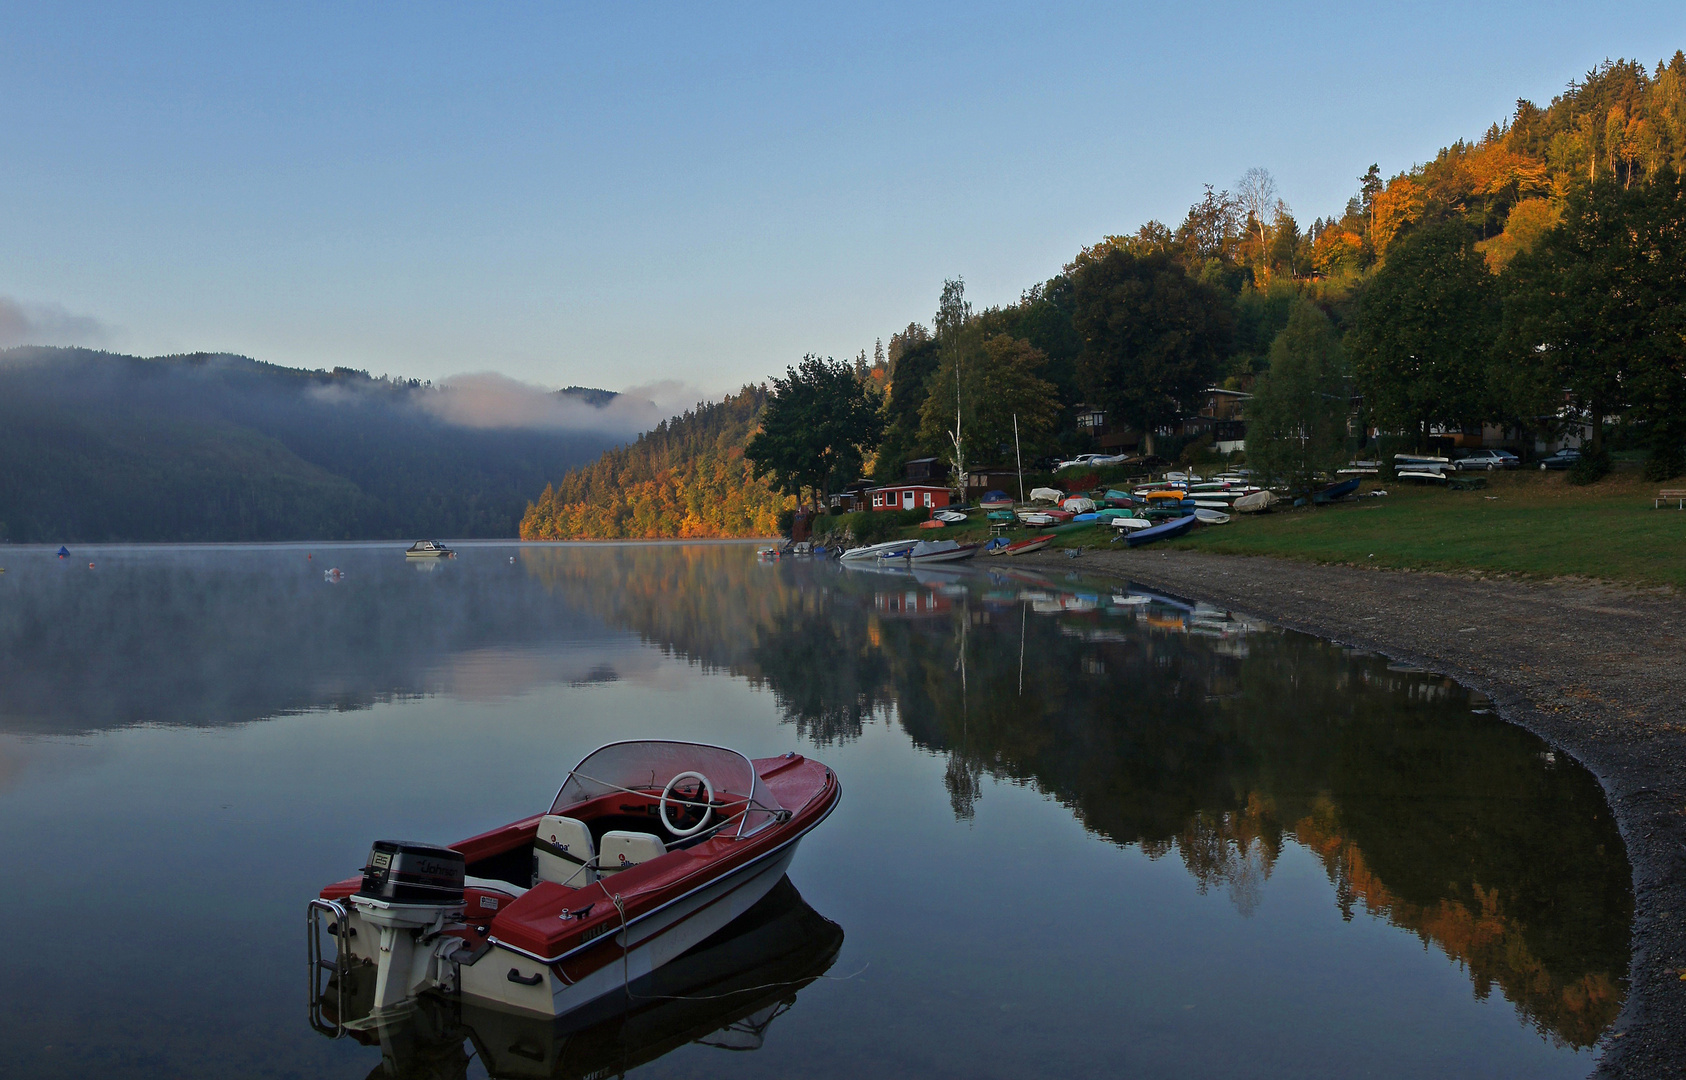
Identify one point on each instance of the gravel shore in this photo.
(1596, 669)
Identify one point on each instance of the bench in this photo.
(1677, 496)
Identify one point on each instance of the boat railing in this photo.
(339, 969)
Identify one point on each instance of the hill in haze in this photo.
(102, 447)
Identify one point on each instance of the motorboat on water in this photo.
(873, 551)
(649, 848)
(724, 993)
(429, 549)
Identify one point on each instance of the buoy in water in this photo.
(90, 566)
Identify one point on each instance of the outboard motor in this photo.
(410, 893)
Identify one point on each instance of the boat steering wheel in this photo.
(702, 795)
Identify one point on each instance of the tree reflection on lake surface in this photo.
(1177, 728)
(1086, 829)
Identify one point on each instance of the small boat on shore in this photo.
(1256, 503)
(1167, 531)
(996, 500)
(1029, 544)
(940, 551)
(1131, 524)
(648, 849)
(1337, 491)
(429, 549)
(1211, 517)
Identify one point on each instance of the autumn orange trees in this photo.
(686, 478)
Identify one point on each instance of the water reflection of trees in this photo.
(1216, 748)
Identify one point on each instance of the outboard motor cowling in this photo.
(411, 892)
(408, 872)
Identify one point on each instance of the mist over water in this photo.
(1080, 834)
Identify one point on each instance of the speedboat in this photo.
(996, 500)
(429, 549)
(872, 551)
(649, 848)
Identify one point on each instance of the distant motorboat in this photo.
(429, 549)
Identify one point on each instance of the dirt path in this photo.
(1599, 670)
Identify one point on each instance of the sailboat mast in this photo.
(1018, 457)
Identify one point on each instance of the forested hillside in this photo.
(101, 447)
(1529, 282)
(686, 478)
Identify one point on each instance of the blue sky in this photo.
(621, 195)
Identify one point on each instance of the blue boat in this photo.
(1171, 529)
(1337, 491)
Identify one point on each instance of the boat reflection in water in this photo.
(724, 993)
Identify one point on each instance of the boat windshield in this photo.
(646, 767)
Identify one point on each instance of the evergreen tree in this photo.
(1297, 418)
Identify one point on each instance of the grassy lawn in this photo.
(1526, 523)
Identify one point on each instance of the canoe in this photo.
(1166, 493)
(953, 517)
(1131, 524)
(1090, 516)
(1211, 517)
(1255, 503)
(1337, 491)
(1036, 517)
(1420, 474)
(1034, 543)
(1060, 515)
(1001, 515)
(933, 524)
(1167, 531)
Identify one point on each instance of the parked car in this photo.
(1563, 459)
(1488, 460)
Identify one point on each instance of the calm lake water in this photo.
(1081, 835)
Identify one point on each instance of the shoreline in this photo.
(1595, 669)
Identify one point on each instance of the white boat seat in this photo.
(494, 885)
(624, 849)
(563, 852)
